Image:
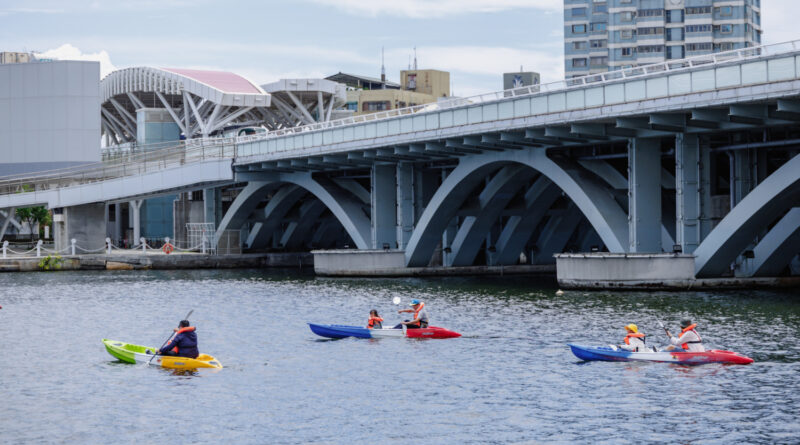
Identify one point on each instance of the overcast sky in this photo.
(476, 40)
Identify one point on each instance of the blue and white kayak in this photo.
(344, 331)
(606, 353)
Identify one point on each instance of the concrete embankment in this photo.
(440, 271)
(158, 262)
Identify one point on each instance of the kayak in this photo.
(343, 331)
(605, 353)
(131, 353)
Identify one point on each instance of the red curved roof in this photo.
(221, 80)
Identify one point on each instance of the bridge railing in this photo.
(577, 82)
(130, 163)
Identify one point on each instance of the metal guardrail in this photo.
(148, 158)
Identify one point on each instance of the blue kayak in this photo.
(606, 353)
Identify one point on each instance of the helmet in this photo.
(414, 302)
(632, 327)
(685, 323)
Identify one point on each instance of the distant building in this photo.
(416, 87)
(14, 57)
(603, 35)
(520, 79)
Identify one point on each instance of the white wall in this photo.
(49, 115)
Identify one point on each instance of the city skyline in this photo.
(474, 40)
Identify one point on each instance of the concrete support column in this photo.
(383, 195)
(405, 203)
(118, 221)
(687, 192)
(744, 163)
(212, 206)
(134, 208)
(86, 223)
(644, 193)
(425, 184)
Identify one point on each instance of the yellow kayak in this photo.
(131, 353)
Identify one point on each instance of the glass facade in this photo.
(605, 35)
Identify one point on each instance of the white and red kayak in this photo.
(606, 353)
(343, 331)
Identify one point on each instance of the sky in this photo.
(475, 40)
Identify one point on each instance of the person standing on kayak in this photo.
(689, 339)
(184, 344)
(375, 321)
(635, 340)
(420, 316)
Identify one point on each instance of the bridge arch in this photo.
(779, 192)
(346, 208)
(589, 195)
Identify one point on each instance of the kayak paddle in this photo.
(665, 329)
(155, 353)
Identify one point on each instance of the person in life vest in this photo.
(375, 321)
(634, 340)
(184, 344)
(688, 339)
(420, 319)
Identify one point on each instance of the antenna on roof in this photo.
(409, 61)
(383, 71)
(415, 58)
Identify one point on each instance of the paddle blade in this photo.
(396, 300)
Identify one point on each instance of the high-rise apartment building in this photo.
(603, 35)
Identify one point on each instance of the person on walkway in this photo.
(634, 340)
(420, 319)
(688, 339)
(184, 344)
(375, 321)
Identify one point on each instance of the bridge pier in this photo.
(383, 196)
(644, 189)
(85, 223)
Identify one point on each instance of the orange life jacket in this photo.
(687, 329)
(416, 314)
(636, 335)
(372, 320)
(180, 331)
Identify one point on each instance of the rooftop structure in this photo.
(363, 82)
(16, 57)
(603, 35)
(304, 101)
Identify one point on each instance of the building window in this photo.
(626, 34)
(650, 13)
(600, 8)
(628, 52)
(598, 26)
(675, 16)
(650, 31)
(626, 16)
(598, 43)
(376, 106)
(724, 29)
(724, 11)
(579, 29)
(724, 46)
(647, 49)
(698, 10)
(599, 61)
(690, 47)
(698, 28)
(579, 12)
(579, 45)
(578, 63)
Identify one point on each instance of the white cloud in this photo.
(421, 9)
(69, 52)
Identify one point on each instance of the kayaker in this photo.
(635, 340)
(375, 321)
(689, 339)
(184, 344)
(420, 316)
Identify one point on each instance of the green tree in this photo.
(32, 215)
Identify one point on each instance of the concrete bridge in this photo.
(691, 157)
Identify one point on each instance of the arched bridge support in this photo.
(763, 205)
(589, 195)
(774, 252)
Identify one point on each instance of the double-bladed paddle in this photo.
(155, 353)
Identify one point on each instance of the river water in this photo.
(510, 379)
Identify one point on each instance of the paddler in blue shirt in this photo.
(420, 316)
(184, 344)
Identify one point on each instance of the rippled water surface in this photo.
(510, 379)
